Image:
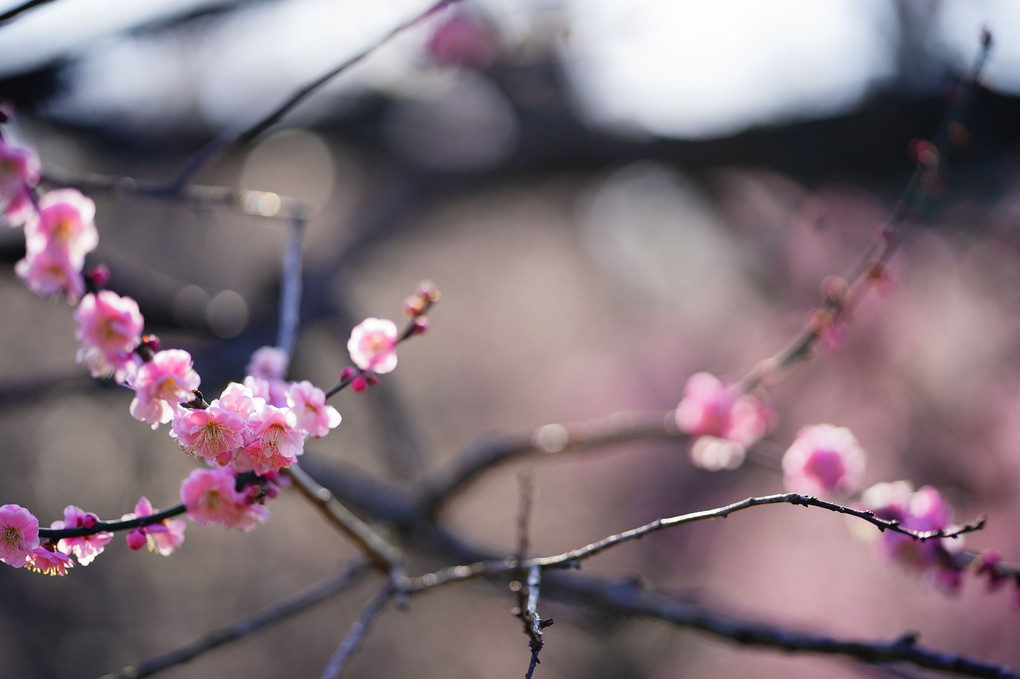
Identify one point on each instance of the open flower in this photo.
(109, 329)
(19, 535)
(19, 171)
(724, 421)
(373, 345)
(822, 460)
(162, 537)
(210, 496)
(162, 383)
(314, 415)
(49, 562)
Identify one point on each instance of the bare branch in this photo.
(358, 630)
(231, 139)
(573, 558)
(273, 614)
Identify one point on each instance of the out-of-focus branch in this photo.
(440, 486)
(358, 630)
(20, 9)
(841, 295)
(231, 139)
(273, 614)
(383, 555)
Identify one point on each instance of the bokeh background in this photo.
(611, 196)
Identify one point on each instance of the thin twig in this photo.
(23, 7)
(232, 139)
(871, 266)
(573, 558)
(113, 526)
(273, 614)
(358, 630)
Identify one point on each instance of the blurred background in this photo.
(611, 196)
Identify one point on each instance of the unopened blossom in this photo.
(162, 383)
(19, 535)
(49, 562)
(823, 460)
(210, 496)
(85, 547)
(19, 171)
(109, 329)
(48, 273)
(162, 537)
(314, 415)
(714, 410)
(213, 433)
(63, 226)
(373, 345)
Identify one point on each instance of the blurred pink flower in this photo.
(268, 363)
(712, 410)
(64, 226)
(373, 345)
(162, 383)
(314, 415)
(86, 547)
(210, 497)
(19, 171)
(49, 562)
(109, 329)
(823, 460)
(19, 535)
(49, 273)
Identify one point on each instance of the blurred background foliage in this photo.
(611, 196)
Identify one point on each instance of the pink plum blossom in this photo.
(272, 391)
(275, 444)
(85, 547)
(213, 434)
(19, 171)
(19, 535)
(922, 510)
(728, 420)
(162, 383)
(822, 460)
(49, 562)
(109, 329)
(314, 415)
(162, 537)
(268, 363)
(240, 399)
(373, 345)
(49, 273)
(64, 225)
(210, 497)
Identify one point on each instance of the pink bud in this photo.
(359, 384)
(136, 539)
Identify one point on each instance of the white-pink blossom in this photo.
(210, 496)
(276, 442)
(922, 510)
(314, 415)
(85, 547)
(64, 225)
(109, 329)
(213, 434)
(49, 273)
(240, 399)
(49, 562)
(19, 171)
(162, 383)
(373, 345)
(19, 535)
(823, 460)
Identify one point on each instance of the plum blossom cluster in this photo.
(723, 421)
